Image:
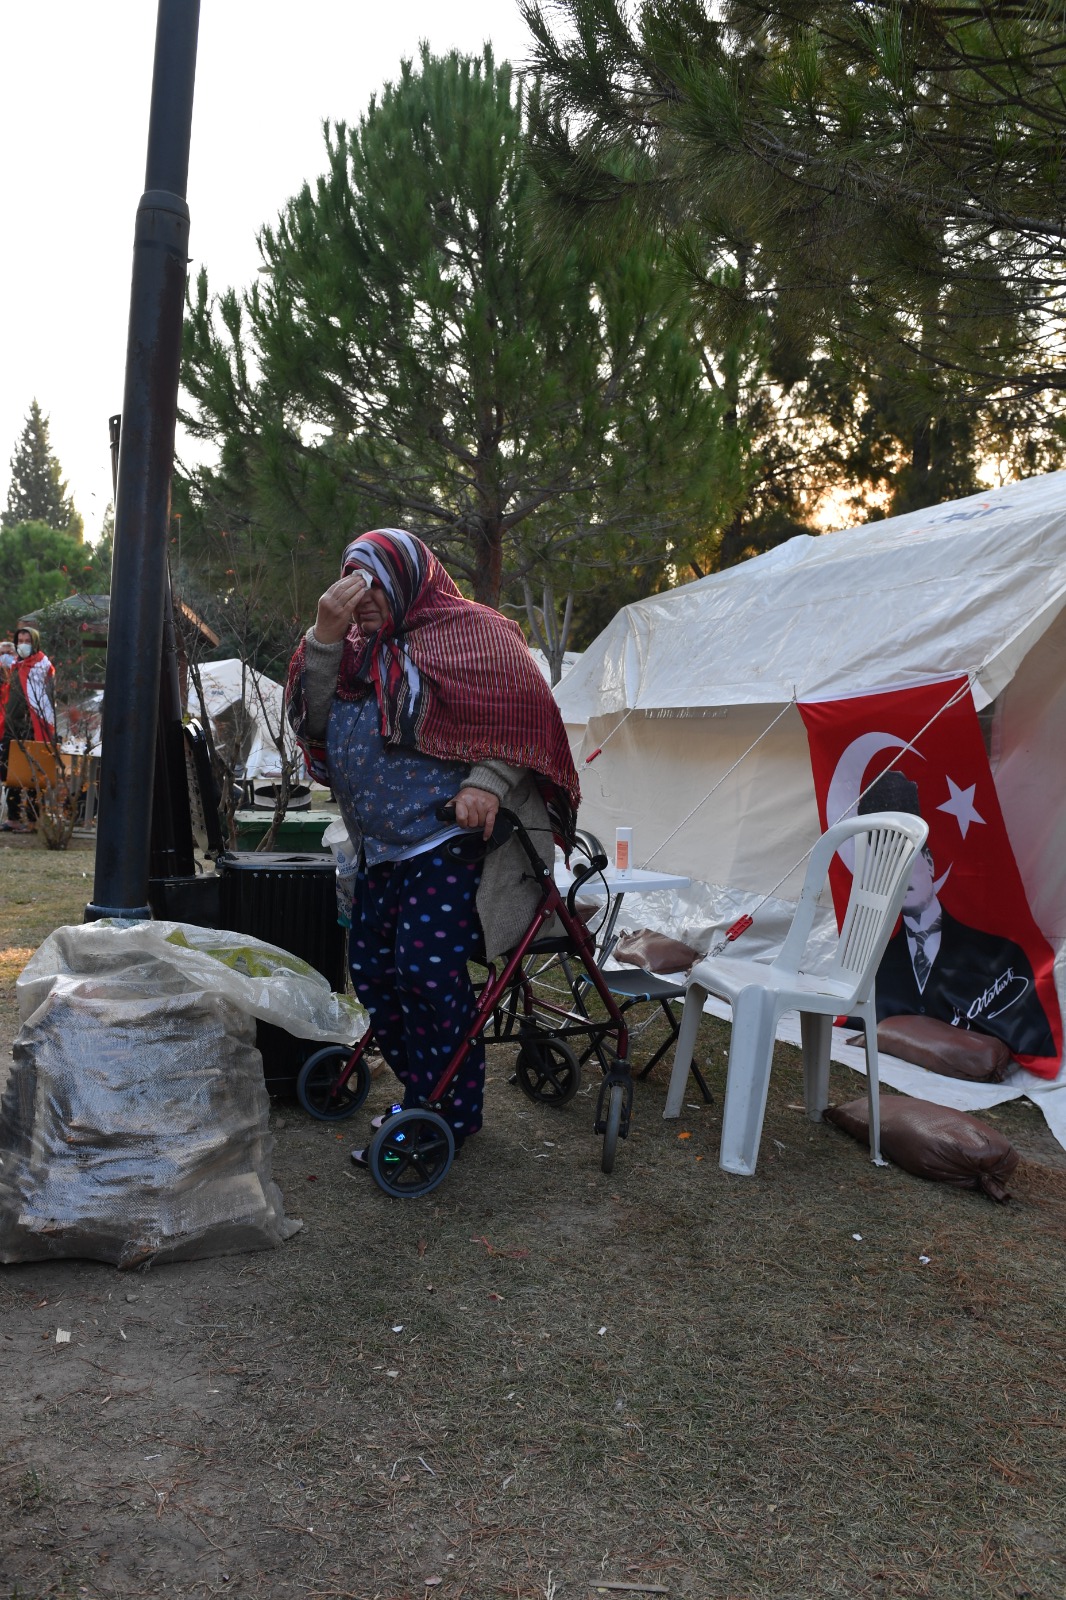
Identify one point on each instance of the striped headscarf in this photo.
(452, 678)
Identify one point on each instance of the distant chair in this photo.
(886, 844)
(31, 764)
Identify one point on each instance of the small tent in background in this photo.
(247, 712)
(691, 696)
(570, 659)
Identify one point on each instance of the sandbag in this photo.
(935, 1142)
(952, 1052)
(655, 952)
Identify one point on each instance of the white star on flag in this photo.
(960, 805)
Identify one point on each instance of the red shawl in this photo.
(452, 678)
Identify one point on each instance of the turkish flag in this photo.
(966, 949)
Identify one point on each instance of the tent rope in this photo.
(744, 922)
(589, 759)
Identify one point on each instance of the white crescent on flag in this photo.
(846, 785)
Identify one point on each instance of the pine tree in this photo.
(37, 492)
(893, 168)
(411, 355)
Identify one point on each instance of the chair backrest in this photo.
(886, 844)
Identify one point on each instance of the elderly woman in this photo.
(405, 697)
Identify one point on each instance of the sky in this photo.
(75, 85)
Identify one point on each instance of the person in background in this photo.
(406, 697)
(7, 661)
(28, 713)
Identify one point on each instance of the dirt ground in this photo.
(827, 1380)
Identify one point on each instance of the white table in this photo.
(614, 885)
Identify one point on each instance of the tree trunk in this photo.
(488, 568)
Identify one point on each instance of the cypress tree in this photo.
(37, 492)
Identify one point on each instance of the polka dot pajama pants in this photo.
(414, 927)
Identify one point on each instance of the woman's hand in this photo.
(337, 607)
(476, 808)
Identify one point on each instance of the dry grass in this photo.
(540, 1379)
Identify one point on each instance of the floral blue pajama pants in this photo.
(414, 927)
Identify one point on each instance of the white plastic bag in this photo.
(346, 860)
(152, 958)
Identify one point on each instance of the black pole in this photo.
(146, 460)
(170, 837)
(171, 850)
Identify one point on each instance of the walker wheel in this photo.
(615, 1102)
(319, 1089)
(411, 1153)
(548, 1071)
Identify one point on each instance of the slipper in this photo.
(380, 1121)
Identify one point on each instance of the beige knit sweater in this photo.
(508, 895)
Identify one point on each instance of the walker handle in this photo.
(502, 829)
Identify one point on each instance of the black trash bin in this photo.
(288, 899)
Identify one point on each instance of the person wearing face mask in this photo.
(7, 661)
(28, 711)
(406, 697)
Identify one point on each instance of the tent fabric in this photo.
(691, 697)
(243, 706)
(884, 605)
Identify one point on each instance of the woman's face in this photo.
(371, 610)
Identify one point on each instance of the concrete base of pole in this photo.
(95, 913)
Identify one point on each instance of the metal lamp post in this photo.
(146, 459)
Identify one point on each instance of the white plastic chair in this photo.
(885, 844)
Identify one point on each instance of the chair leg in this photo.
(816, 1031)
(873, 1083)
(668, 1043)
(645, 1072)
(750, 1055)
(684, 1049)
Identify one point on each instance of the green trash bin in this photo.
(298, 830)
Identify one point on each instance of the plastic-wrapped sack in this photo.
(133, 1127)
(935, 1142)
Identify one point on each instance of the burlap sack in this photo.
(952, 1052)
(935, 1142)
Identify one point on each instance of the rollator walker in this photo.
(410, 1154)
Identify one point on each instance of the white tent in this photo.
(682, 686)
(570, 659)
(246, 709)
